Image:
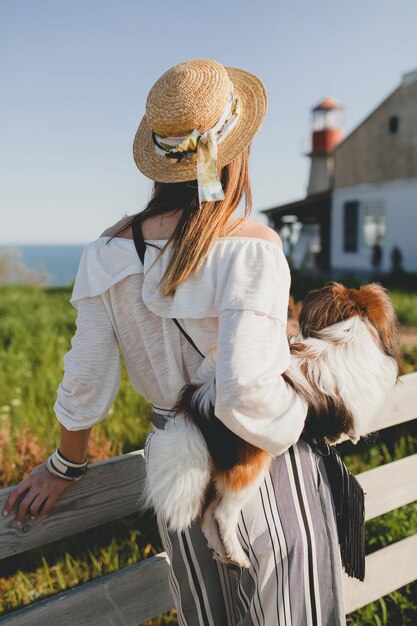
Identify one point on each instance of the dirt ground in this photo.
(408, 333)
(409, 336)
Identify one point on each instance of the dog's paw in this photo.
(241, 560)
(220, 556)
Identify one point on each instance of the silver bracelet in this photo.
(58, 465)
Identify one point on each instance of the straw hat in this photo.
(192, 96)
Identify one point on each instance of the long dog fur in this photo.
(343, 362)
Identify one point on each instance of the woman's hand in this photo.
(41, 487)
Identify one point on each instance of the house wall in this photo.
(371, 153)
(400, 203)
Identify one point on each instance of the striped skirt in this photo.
(288, 531)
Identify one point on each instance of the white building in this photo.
(362, 190)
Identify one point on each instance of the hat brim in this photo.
(251, 92)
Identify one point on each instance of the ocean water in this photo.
(60, 261)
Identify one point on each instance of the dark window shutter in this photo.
(350, 226)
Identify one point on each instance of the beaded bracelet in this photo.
(62, 467)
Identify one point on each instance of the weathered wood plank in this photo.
(110, 490)
(389, 486)
(126, 598)
(401, 406)
(386, 570)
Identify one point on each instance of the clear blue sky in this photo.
(75, 75)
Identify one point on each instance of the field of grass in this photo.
(36, 326)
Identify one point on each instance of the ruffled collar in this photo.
(238, 272)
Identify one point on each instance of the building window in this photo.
(373, 223)
(350, 226)
(393, 124)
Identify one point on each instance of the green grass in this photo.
(406, 306)
(36, 326)
(396, 609)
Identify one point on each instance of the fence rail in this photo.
(112, 489)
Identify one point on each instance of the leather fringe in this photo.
(349, 503)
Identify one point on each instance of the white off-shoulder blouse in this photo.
(235, 310)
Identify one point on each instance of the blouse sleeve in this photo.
(91, 368)
(252, 398)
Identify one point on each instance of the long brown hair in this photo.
(198, 228)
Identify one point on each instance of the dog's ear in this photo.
(324, 307)
(316, 312)
(377, 307)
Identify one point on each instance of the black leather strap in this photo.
(187, 336)
(138, 239)
(140, 246)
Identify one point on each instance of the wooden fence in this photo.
(110, 491)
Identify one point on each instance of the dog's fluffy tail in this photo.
(178, 473)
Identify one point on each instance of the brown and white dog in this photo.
(343, 363)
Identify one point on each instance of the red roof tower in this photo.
(326, 134)
(327, 126)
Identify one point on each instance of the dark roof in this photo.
(310, 201)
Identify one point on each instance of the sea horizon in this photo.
(59, 260)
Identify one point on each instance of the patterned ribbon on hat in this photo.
(204, 146)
